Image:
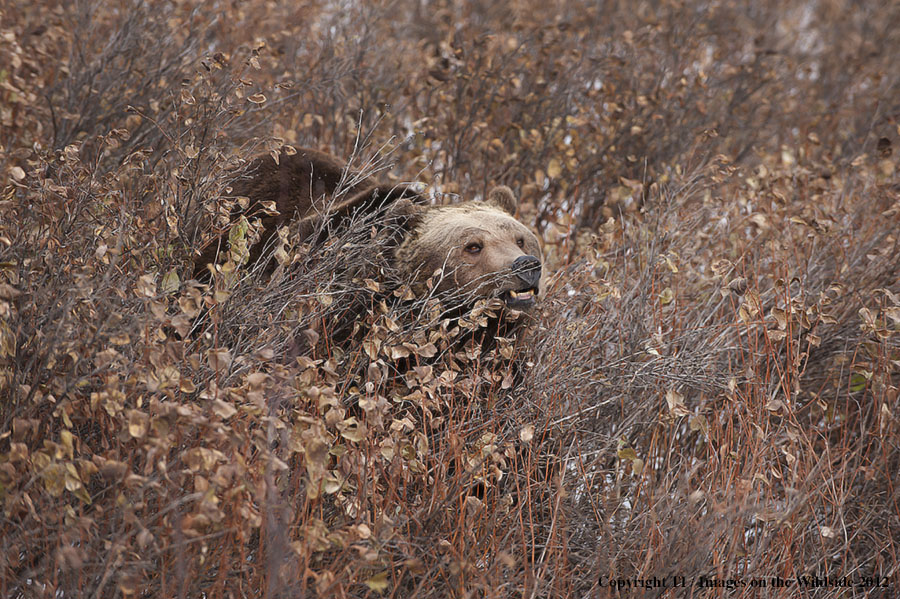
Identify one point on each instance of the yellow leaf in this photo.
(170, 282)
(554, 169)
(666, 296)
(379, 582)
(637, 466)
(67, 439)
(73, 480)
(671, 263)
(627, 453)
(7, 341)
(54, 476)
(137, 423)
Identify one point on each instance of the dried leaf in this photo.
(780, 318)
(675, 401)
(526, 433)
(223, 409)
(219, 359)
(146, 285)
(429, 350)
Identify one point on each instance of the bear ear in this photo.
(404, 214)
(503, 197)
(399, 219)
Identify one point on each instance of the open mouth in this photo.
(522, 298)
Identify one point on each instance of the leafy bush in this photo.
(709, 389)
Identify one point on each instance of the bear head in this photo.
(472, 250)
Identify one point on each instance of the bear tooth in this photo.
(528, 293)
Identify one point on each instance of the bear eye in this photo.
(473, 248)
(520, 242)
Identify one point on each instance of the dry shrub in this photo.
(710, 388)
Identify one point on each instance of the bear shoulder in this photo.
(308, 186)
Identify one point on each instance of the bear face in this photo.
(475, 250)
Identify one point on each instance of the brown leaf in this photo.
(675, 401)
(223, 409)
(219, 359)
(526, 433)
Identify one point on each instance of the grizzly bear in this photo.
(471, 250)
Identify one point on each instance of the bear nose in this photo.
(527, 269)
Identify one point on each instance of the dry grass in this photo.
(709, 390)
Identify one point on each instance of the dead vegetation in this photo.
(710, 389)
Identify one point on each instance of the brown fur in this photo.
(472, 247)
(310, 186)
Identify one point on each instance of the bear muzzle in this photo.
(526, 281)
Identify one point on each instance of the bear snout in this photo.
(527, 269)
